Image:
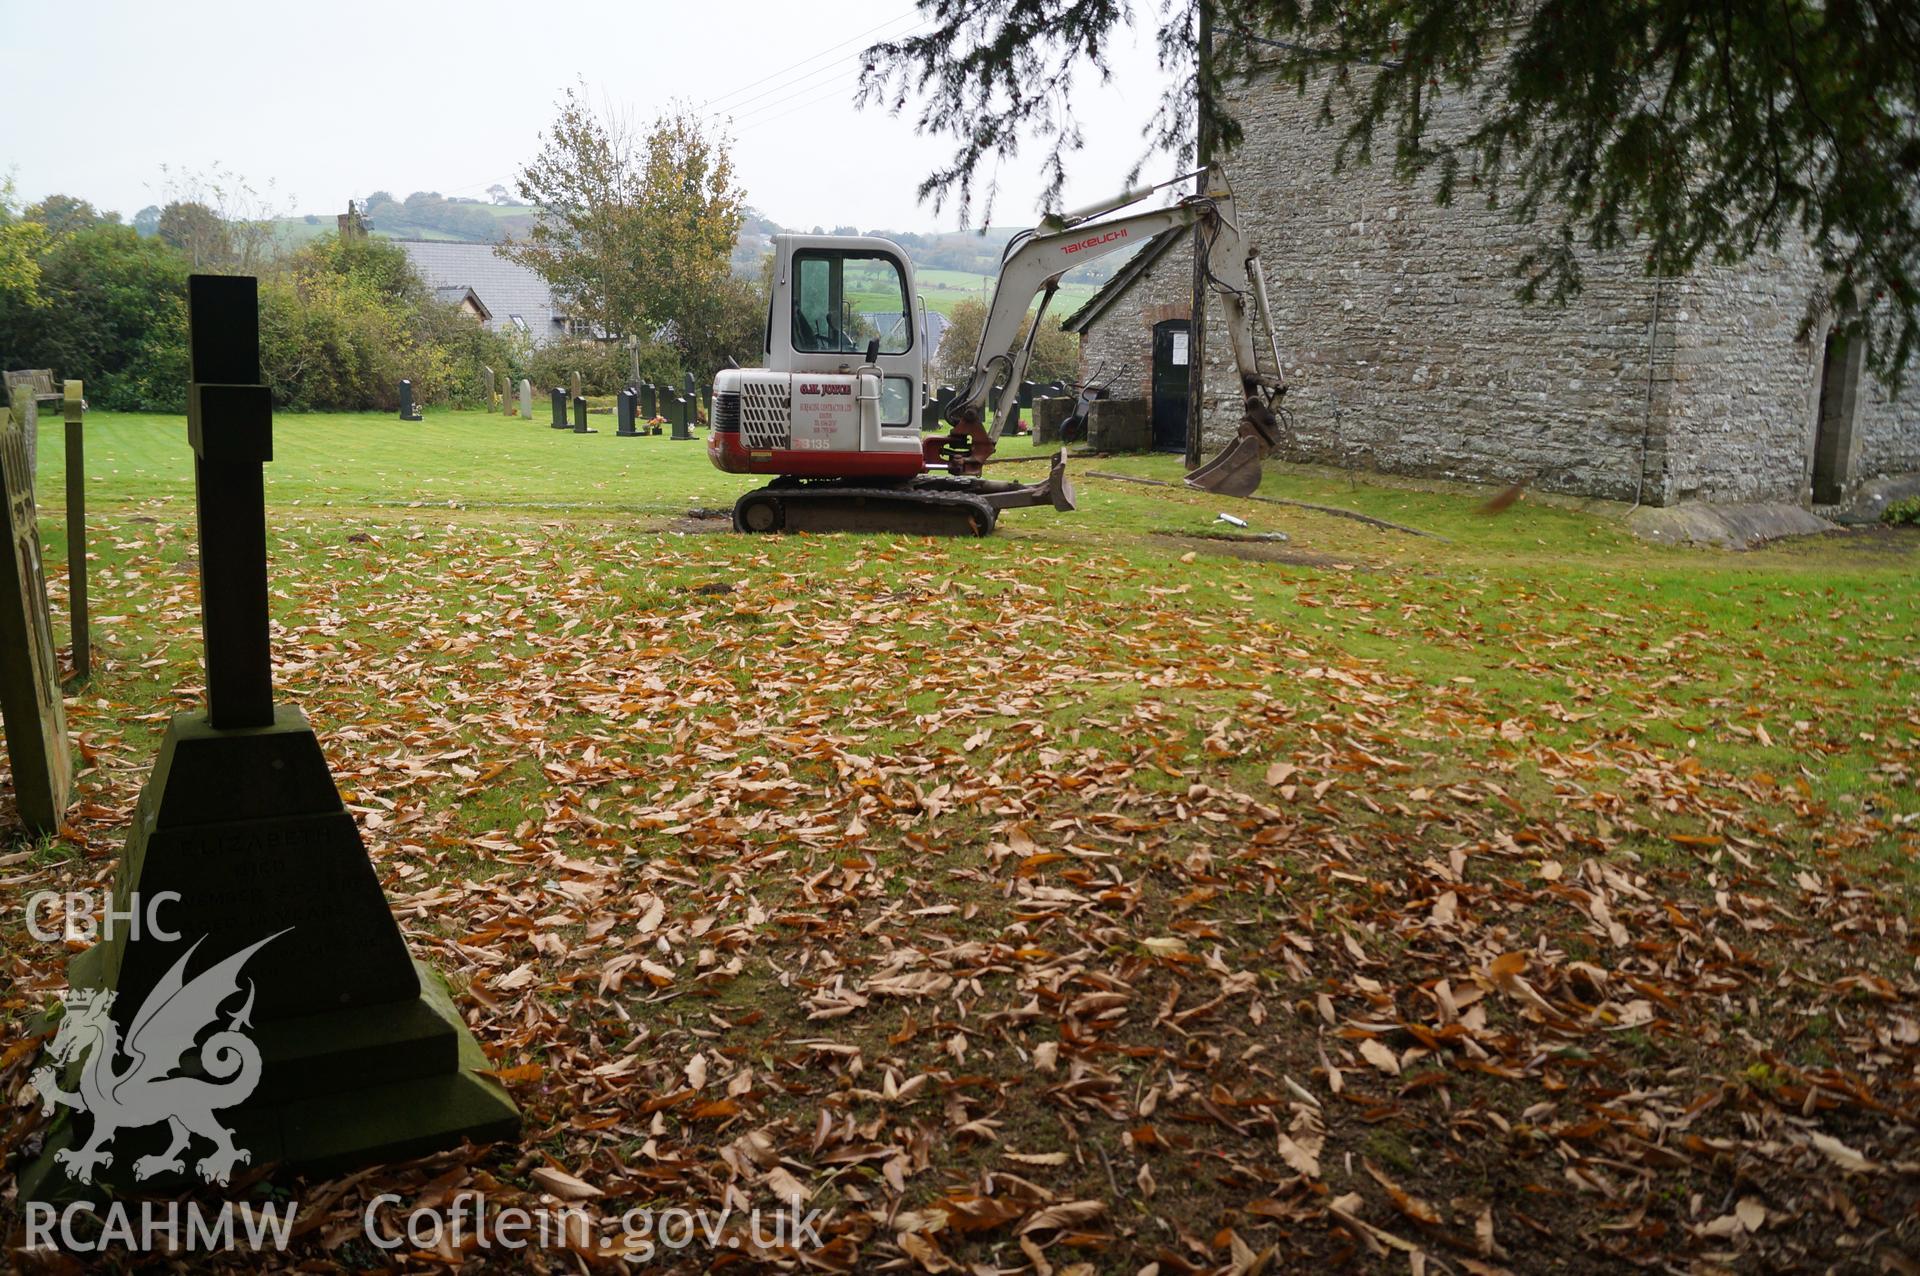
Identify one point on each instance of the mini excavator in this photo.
(835, 413)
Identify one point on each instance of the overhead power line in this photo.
(760, 81)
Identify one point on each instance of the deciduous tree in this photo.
(634, 235)
(1056, 352)
(218, 219)
(64, 214)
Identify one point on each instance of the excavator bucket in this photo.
(1234, 472)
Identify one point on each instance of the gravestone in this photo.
(360, 1054)
(486, 385)
(407, 411)
(1026, 394)
(526, 399)
(623, 407)
(692, 386)
(649, 404)
(506, 395)
(1049, 413)
(560, 409)
(74, 401)
(1120, 425)
(678, 418)
(580, 416)
(30, 703)
(706, 403)
(574, 385)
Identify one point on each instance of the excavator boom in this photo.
(1033, 265)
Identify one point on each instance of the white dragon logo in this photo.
(143, 1092)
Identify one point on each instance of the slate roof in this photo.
(507, 289)
(459, 294)
(1123, 278)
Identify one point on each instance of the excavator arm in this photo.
(1036, 260)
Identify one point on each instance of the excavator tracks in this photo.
(835, 507)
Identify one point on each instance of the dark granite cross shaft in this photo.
(230, 424)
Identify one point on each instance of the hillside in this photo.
(949, 266)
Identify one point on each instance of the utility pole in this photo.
(1197, 324)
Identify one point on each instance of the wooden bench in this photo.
(38, 383)
(27, 389)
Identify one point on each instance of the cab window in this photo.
(844, 299)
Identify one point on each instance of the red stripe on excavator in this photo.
(729, 452)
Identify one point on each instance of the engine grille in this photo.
(766, 414)
(726, 411)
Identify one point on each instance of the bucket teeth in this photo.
(1234, 472)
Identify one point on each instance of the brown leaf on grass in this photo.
(1066, 1214)
(1503, 500)
(967, 1212)
(924, 1252)
(1404, 1201)
(1301, 1159)
(1840, 1154)
(562, 1184)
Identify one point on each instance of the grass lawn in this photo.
(1519, 898)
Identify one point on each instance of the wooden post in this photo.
(30, 703)
(1197, 323)
(74, 402)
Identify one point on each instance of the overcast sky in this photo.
(331, 102)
